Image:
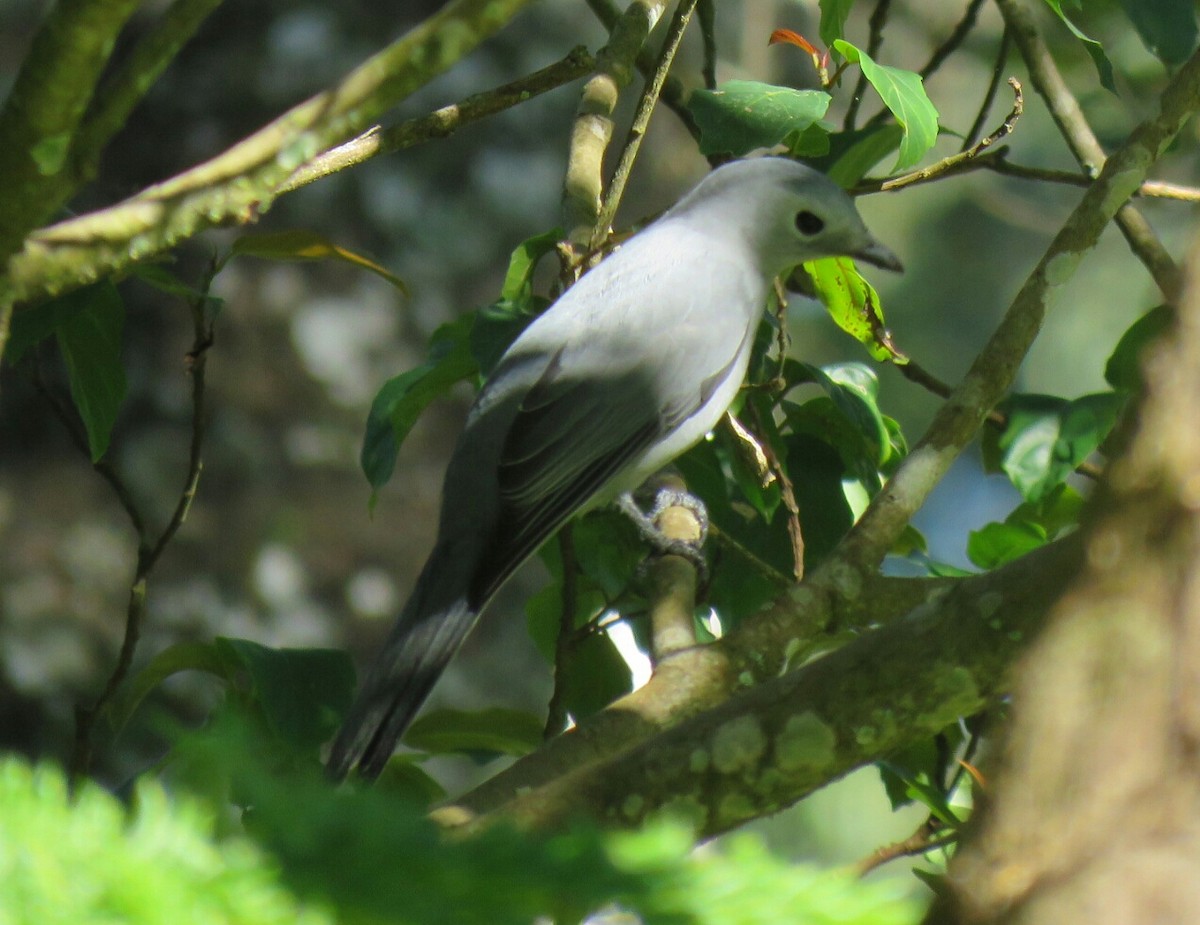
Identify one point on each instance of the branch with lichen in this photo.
(993, 372)
(766, 747)
(241, 183)
(1067, 115)
(44, 109)
(617, 752)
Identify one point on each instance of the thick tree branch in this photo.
(1094, 805)
(44, 109)
(242, 182)
(117, 97)
(771, 745)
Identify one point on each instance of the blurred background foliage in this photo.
(279, 546)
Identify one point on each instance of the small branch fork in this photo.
(150, 548)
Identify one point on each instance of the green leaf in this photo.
(303, 693)
(809, 143)
(405, 779)
(903, 92)
(608, 550)
(853, 304)
(905, 786)
(817, 471)
(494, 731)
(76, 853)
(833, 19)
(1123, 371)
(997, 543)
(301, 244)
(1047, 437)
(1094, 49)
(402, 399)
(90, 342)
(910, 541)
(1030, 525)
(183, 656)
(869, 148)
(1168, 27)
(742, 115)
(30, 326)
(498, 325)
(518, 280)
(594, 676)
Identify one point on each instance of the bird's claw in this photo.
(662, 544)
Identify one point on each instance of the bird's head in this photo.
(788, 213)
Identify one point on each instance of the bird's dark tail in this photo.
(428, 633)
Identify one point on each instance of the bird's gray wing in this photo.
(572, 434)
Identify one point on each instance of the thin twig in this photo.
(874, 42)
(708, 31)
(948, 164)
(674, 94)
(149, 553)
(989, 98)
(787, 493)
(442, 122)
(953, 40)
(922, 841)
(592, 128)
(641, 119)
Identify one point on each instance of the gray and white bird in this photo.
(628, 369)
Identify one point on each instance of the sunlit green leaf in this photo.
(853, 304)
(903, 92)
(1047, 437)
(995, 544)
(518, 279)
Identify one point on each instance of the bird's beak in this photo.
(879, 255)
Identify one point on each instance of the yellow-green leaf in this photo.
(854, 305)
(301, 244)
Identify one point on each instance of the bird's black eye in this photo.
(809, 223)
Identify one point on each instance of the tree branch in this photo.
(44, 109)
(771, 745)
(117, 98)
(441, 123)
(241, 183)
(593, 127)
(1093, 803)
(1069, 118)
(641, 120)
(993, 371)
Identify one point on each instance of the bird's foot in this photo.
(662, 543)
